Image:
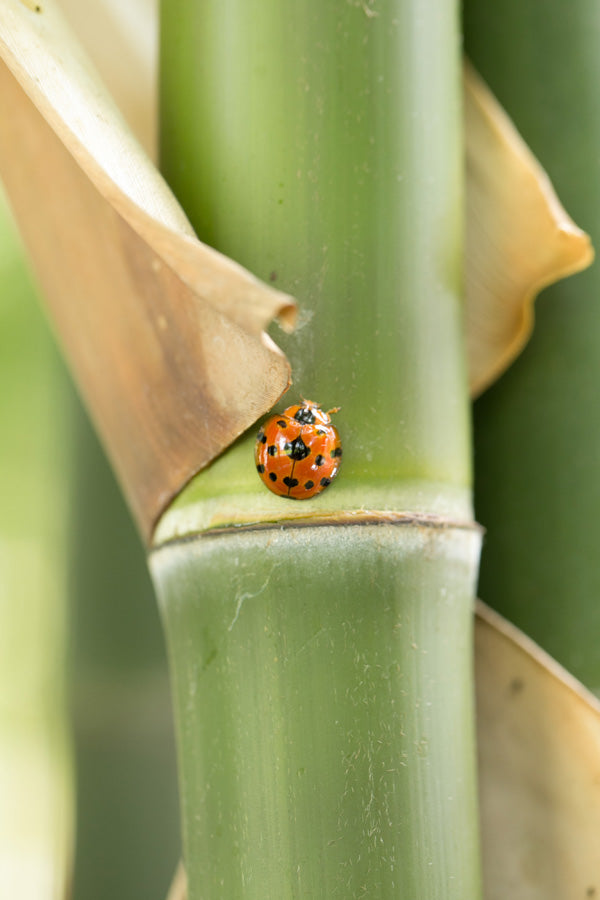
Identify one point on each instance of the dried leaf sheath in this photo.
(519, 238)
(164, 335)
(539, 745)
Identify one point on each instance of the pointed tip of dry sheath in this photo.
(519, 237)
(165, 336)
(178, 889)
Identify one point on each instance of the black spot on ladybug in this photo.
(282, 423)
(325, 481)
(272, 450)
(309, 484)
(290, 482)
(319, 460)
(321, 432)
(305, 416)
(336, 452)
(272, 476)
(261, 436)
(297, 449)
(260, 468)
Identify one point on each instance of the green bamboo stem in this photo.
(321, 667)
(321, 149)
(537, 430)
(325, 729)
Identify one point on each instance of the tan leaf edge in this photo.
(519, 239)
(121, 268)
(178, 889)
(539, 769)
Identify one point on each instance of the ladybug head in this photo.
(309, 413)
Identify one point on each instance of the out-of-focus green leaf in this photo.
(537, 431)
(36, 778)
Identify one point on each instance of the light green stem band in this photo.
(324, 699)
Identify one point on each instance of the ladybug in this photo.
(298, 453)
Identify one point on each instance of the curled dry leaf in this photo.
(165, 336)
(519, 239)
(539, 756)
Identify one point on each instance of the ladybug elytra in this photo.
(298, 453)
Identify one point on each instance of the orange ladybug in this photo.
(298, 453)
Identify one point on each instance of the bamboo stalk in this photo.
(326, 732)
(320, 650)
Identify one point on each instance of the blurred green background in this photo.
(85, 655)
